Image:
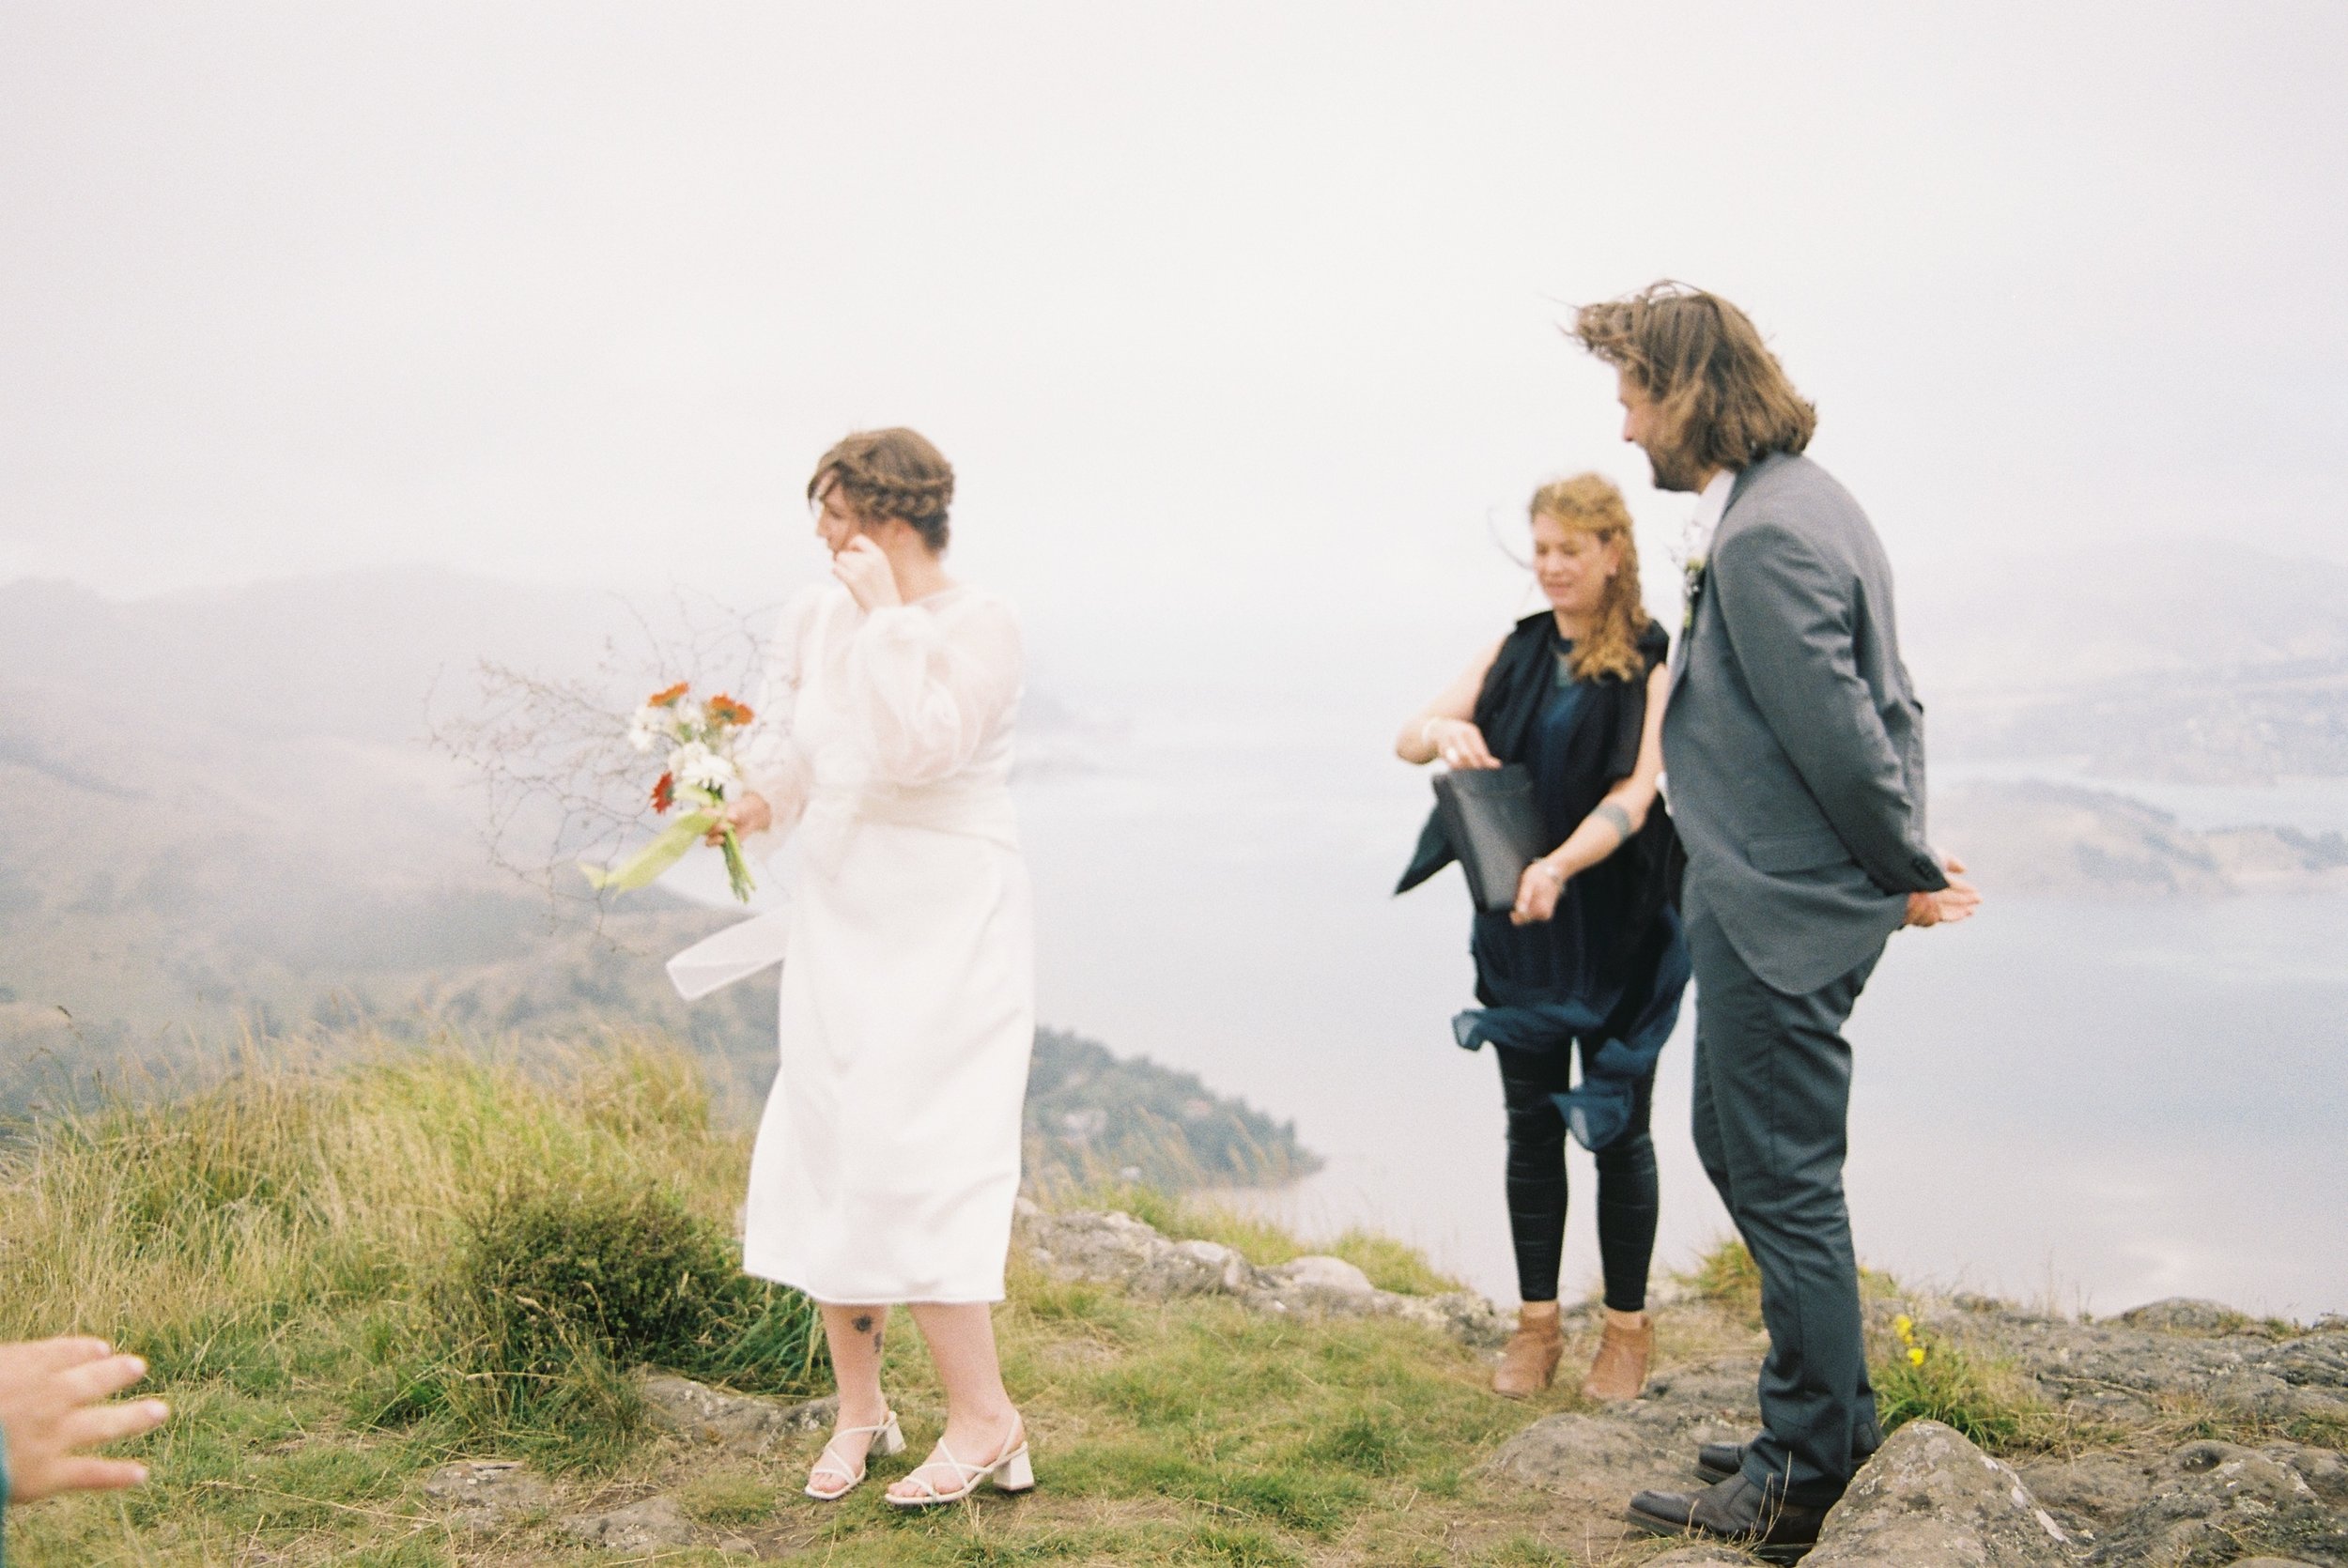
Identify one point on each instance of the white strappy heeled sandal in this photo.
(887, 1439)
(1010, 1471)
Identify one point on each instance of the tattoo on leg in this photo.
(876, 1341)
(863, 1322)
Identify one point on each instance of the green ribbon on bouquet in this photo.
(666, 848)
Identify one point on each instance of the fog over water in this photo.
(1240, 324)
(2093, 1102)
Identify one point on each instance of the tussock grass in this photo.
(1727, 1277)
(391, 1227)
(348, 1276)
(1928, 1377)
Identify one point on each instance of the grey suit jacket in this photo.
(1793, 748)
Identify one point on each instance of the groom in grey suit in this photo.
(1794, 762)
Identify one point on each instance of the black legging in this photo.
(1627, 1200)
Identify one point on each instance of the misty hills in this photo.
(2195, 661)
(2027, 835)
(220, 808)
(222, 815)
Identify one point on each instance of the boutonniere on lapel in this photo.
(1695, 555)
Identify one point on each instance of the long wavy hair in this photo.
(1589, 503)
(891, 473)
(1723, 397)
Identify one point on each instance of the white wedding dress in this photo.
(887, 1160)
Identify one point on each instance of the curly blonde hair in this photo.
(1589, 503)
(891, 473)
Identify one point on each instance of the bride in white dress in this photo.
(887, 1160)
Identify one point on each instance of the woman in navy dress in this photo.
(1590, 962)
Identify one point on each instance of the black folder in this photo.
(1494, 825)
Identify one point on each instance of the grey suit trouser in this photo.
(1772, 1100)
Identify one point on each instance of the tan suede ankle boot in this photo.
(1529, 1359)
(1619, 1370)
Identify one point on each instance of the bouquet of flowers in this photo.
(701, 779)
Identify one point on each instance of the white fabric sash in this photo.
(825, 833)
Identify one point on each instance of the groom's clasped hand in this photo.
(1955, 902)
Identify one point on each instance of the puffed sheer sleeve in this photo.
(772, 764)
(929, 688)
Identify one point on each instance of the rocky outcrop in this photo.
(487, 1494)
(1649, 1442)
(1118, 1248)
(1931, 1499)
(735, 1422)
(648, 1527)
(2207, 1502)
(2125, 1368)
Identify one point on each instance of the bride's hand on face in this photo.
(747, 815)
(1459, 743)
(863, 567)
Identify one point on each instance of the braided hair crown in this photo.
(891, 473)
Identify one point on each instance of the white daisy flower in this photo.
(648, 727)
(707, 771)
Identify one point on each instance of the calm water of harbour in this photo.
(2088, 1103)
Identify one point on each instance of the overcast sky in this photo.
(1215, 307)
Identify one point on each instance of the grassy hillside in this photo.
(348, 1276)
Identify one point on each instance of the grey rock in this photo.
(1573, 1453)
(640, 1527)
(1929, 1499)
(738, 1424)
(2317, 1363)
(1118, 1248)
(1322, 1276)
(2090, 1494)
(1232, 1273)
(2184, 1315)
(2212, 1502)
(1466, 1317)
(2325, 1470)
(2274, 1563)
(487, 1494)
(1649, 1442)
(1699, 1557)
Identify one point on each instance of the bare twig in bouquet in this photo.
(560, 784)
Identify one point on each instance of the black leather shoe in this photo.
(1717, 1462)
(1734, 1510)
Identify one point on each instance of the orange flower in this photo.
(662, 699)
(664, 793)
(725, 710)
